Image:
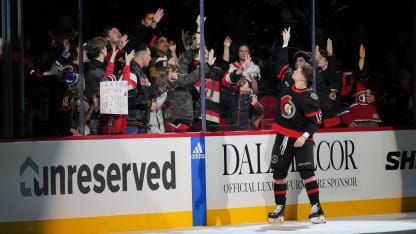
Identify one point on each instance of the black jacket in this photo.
(139, 98)
(142, 34)
(94, 72)
(242, 114)
(325, 81)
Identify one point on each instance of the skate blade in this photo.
(318, 220)
(278, 220)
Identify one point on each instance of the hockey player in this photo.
(297, 120)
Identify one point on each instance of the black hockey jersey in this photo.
(299, 109)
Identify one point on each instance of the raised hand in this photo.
(196, 41)
(172, 46)
(211, 58)
(173, 62)
(362, 51)
(185, 38)
(317, 53)
(370, 98)
(362, 57)
(333, 95)
(153, 107)
(158, 15)
(66, 44)
(173, 75)
(246, 63)
(286, 36)
(227, 42)
(198, 20)
(129, 57)
(254, 100)
(124, 40)
(329, 47)
(114, 54)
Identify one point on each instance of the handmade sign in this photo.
(113, 97)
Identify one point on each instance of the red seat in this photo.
(270, 105)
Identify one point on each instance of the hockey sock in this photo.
(280, 187)
(311, 185)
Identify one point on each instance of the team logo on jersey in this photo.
(360, 98)
(287, 108)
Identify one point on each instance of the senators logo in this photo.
(287, 108)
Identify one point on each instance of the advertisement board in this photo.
(89, 178)
(169, 181)
(349, 166)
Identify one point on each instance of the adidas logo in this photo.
(198, 153)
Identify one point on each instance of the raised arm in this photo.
(227, 44)
(157, 17)
(282, 63)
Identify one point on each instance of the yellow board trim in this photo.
(104, 224)
(301, 211)
(140, 222)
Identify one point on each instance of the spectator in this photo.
(244, 107)
(213, 79)
(109, 123)
(179, 111)
(160, 51)
(140, 93)
(69, 71)
(236, 72)
(113, 36)
(66, 30)
(118, 66)
(159, 76)
(75, 106)
(147, 30)
(328, 85)
(160, 72)
(94, 73)
(252, 73)
(359, 109)
(300, 57)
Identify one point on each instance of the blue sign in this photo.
(199, 194)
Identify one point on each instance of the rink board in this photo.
(372, 171)
(118, 185)
(131, 188)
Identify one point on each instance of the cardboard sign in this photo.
(113, 97)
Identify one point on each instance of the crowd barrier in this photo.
(101, 184)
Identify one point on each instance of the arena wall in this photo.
(102, 184)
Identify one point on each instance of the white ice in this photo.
(399, 223)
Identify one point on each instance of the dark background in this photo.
(385, 28)
(382, 26)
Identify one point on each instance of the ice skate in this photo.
(277, 215)
(317, 214)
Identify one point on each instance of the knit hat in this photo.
(71, 78)
(304, 54)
